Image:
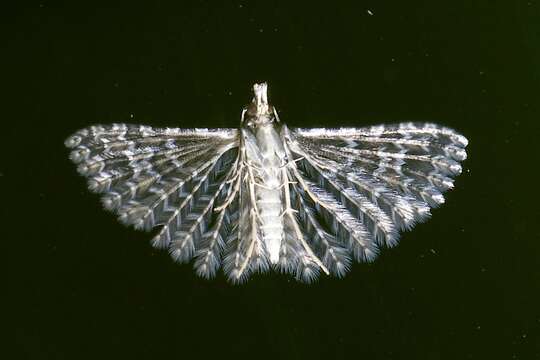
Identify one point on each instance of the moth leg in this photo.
(252, 184)
(233, 191)
(285, 163)
(292, 165)
(276, 114)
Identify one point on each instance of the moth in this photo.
(265, 196)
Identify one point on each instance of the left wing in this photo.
(168, 177)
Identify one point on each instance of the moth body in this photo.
(266, 158)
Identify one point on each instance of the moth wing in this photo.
(162, 177)
(357, 188)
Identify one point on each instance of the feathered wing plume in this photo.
(163, 177)
(341, 194)
(245, 252)
(356, 189)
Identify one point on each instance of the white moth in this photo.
(265, 196)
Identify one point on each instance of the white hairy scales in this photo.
(300, 201)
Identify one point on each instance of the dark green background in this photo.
(464, 285)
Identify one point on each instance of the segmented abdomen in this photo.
(269, 204)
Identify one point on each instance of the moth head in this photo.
(259, 112)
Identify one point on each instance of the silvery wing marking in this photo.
(301, 201)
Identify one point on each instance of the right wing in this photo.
(358, 188)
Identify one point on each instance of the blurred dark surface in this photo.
(464, 285)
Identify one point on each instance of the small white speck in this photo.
(261, 30)
(131, 116)
(370, 13)
(393, 60)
